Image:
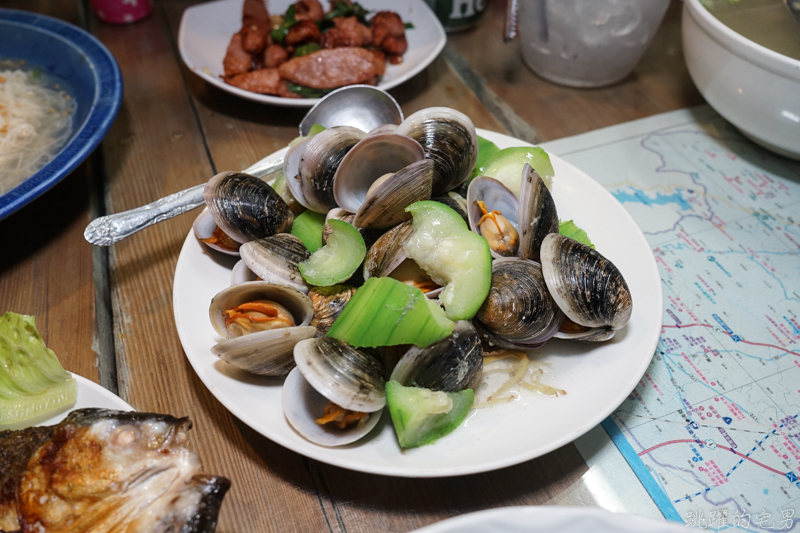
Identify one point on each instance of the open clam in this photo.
(381, 176)
(513, 228)
(319, 159)
(333, 385)
(587, 287)
(261, 323)
(206, 230)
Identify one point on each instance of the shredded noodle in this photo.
(35, 122)
(518, 369)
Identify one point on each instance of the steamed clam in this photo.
(449, 139)
(336, 394)
(587, 287)
(245, 207)
(519, 312)
(381, 176)
(512, 227)
(450, 365)
(275, 259)
(261, 323)
(206, 230)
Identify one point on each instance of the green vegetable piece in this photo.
(316, 128)
(307, 92)
(338, 259)
(571, 230)
(422, 416)
(452, 255)
(506, 166)
(33, 384)
(306, 49)
(486, 149)
(279, 34)
(308, 228)
(387, 312)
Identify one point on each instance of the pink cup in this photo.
(121, 11)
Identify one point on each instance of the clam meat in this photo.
(261, 323)
(336, 394)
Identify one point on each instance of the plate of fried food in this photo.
(294, 53)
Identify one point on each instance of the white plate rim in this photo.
(90, 394)
(531, 519)
(419, 66)
(296, 443)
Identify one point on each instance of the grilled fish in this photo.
(106, 471)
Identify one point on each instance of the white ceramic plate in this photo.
(90, 394)
(597, 378)
(206, 31)
(551, 518)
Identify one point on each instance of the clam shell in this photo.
(587, 287)
(519, 312)
(537, 214)
(302, 404)
(328, 304)
(266, 353)
(204, 227)
(449, 139)
(386, 206)
(456, 202)
(344, 375)
(320, 158)
(337, 213)
(450, 365)
(368, 160)
(291, 172)
(240, 273)
(387, 252)
(297, 304)
(496, 197)
(275, 258)
(245, 207)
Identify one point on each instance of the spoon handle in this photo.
(110, 229)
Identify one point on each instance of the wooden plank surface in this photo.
(45, 266)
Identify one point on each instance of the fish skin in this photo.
(94, 470)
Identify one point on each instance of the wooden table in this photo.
(108, 312)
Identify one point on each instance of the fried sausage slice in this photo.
(328, 69)
(255, 26)
(237, 60)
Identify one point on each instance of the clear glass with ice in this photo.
(587, 43)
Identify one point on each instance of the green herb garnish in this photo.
(307, 92)
(279, 34)
(306, 49)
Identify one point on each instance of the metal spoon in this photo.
(362, 106)
(794, 8)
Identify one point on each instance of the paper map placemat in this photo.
(712, 429)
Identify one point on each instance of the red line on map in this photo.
(742, 340)
(718, 446)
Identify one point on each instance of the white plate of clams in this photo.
(597, 377)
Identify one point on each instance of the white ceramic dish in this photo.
(551, 518)
(206, 30)
(90, 394)
(756, 89)
(597, 378)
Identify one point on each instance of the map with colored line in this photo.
(712, 428)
